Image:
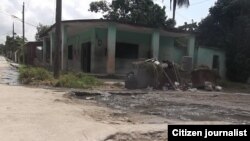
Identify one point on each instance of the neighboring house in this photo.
(106, 47)
(33, 52)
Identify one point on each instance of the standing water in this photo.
(8, 74)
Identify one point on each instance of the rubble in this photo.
(152, 73)
(166, 75)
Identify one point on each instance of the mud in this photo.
(8, 74)
(235, 108)
(155, 136)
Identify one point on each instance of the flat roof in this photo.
(173, 30)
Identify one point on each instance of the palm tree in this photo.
(180, 3)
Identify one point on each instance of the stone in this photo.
(218, 88)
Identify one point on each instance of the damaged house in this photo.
(107, 47)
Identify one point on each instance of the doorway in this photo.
(86, 57)
(216, 62)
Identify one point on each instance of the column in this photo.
(191, 46)
(111, 49)
(191, 49)
(44, 50)
(64, 49)
(155, 42)
(93, 46)
(51, 47)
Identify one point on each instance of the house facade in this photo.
(106, 47)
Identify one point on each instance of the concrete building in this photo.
(33, 52)
(106, 47)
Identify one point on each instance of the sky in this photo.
(43, 11)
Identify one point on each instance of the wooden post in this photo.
(58, 39)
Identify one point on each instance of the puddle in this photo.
(9, 75)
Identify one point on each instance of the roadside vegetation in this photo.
(235, 87)
(41, 76)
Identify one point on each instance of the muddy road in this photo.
(174, 107)
(8, 74)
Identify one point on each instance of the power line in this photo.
(198, 3)
(18, 19)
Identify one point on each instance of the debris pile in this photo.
(205, 78)
(166, 75)
(154, 74)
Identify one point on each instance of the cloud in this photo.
(39, 11)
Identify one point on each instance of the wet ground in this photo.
(180, 106)
(8, 74)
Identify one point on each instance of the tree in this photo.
(189, 27)
(12, 45)
(133, 11)
(179, 3)
(41, 29)
(228, 27)
(2, 47)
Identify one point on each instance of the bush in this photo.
(79, 80)
(33, 75)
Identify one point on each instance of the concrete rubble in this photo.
(166, 75)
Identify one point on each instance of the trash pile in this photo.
(205, 78)
(167, 75)
(154, 74)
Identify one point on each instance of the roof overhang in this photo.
(81, 25)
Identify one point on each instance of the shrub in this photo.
(79, 80)
(33, 75)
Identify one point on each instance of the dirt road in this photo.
(38, 114)
(34, 114)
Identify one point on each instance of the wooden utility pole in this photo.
(23, 23)
(57, 58)
(13, 31)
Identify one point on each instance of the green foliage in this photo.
(2, 48)
(133, 11)
(234, 86)
(179, 3)
(41, 76)
(189, 27)
(12, 44)
(30, 75)
(228, 27)
(41, 29)
(80, 80)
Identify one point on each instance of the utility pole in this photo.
(13, 31)
(58, 37)
(23, 23)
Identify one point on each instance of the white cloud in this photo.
(43, 11)
(39, 11)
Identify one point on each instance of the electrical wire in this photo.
(18, 19)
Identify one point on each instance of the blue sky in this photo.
(43, 11)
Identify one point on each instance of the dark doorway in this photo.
(86, 57)
(216, 62)
(126, 51)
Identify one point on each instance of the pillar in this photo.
(51, 35)
(111, 49)
(191, 49)
(44, 50)
(155, 43)
(64, 49)
(93, 45)
(191, 46)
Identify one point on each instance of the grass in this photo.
(29, 75)
(41, 76)
(230, 86)
(79, 80)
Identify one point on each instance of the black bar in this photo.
(208, 132)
